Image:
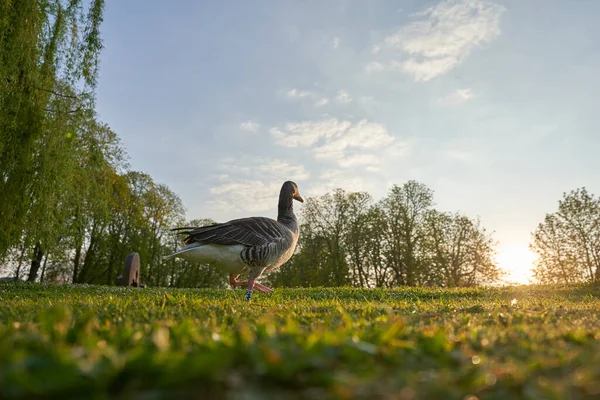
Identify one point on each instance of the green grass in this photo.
(108, 342)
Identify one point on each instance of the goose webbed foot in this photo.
(255, 285)
(250, 284)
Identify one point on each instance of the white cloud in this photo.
(260, 168)
(359, 160)
(441, 37)
(374, 66)
(457, 97)
(344, 97)
(341, 142)
(282, 169)
(256, 185)
(362, 135)
(298, 94)
(250, 126)
(336, 42)
(321, 102)
(424, 70)
(307, 133)
(245, 196)
(245, 185)
(333, 179)
(397, 150)
(375, 49)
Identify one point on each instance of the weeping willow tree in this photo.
(48, 71)
(68, 202)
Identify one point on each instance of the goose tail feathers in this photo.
(181, 251)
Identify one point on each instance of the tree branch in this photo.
(78, 109)
(68, 96)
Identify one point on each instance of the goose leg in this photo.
(255, 273)
(262, 288)
(235, 283)
(251, 284)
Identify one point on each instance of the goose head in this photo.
(292, 190)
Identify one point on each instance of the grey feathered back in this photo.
(253, 231)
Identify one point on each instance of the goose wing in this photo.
(253, 231)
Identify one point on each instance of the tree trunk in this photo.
(18, 272)
(76, 262)
(89, 259)
(172, 280)
(35, 263)
(44, 268)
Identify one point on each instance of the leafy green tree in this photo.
(321, 258)
(567, 242)
(400, 240)
(49, 48)
(100, 156)
(69, 204)
(357, 235)
(162, 209)
(459, 252)
(376, 248)
(325, 222)
(405, 209)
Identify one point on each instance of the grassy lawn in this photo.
(91, 342)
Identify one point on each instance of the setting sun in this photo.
(517, 261)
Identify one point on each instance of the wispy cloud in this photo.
(298, 94)
(251, 196)
(343, 97)
(344, 143)
(260, 168)
(335, 42)
(359, 160)
(321, 102)
(307, 133)
(374, 66)
(459, 96)
(441, 37)
(256, 185)
(320, 98)
(332, 179)
(250, 126)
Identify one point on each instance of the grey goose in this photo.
(253, 245)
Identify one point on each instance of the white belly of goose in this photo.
(225, 258)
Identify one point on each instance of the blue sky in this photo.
(491, 104)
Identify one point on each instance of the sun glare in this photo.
(516, 260)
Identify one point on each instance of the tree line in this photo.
(346, 238)
(402, 240)
(71, 208)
